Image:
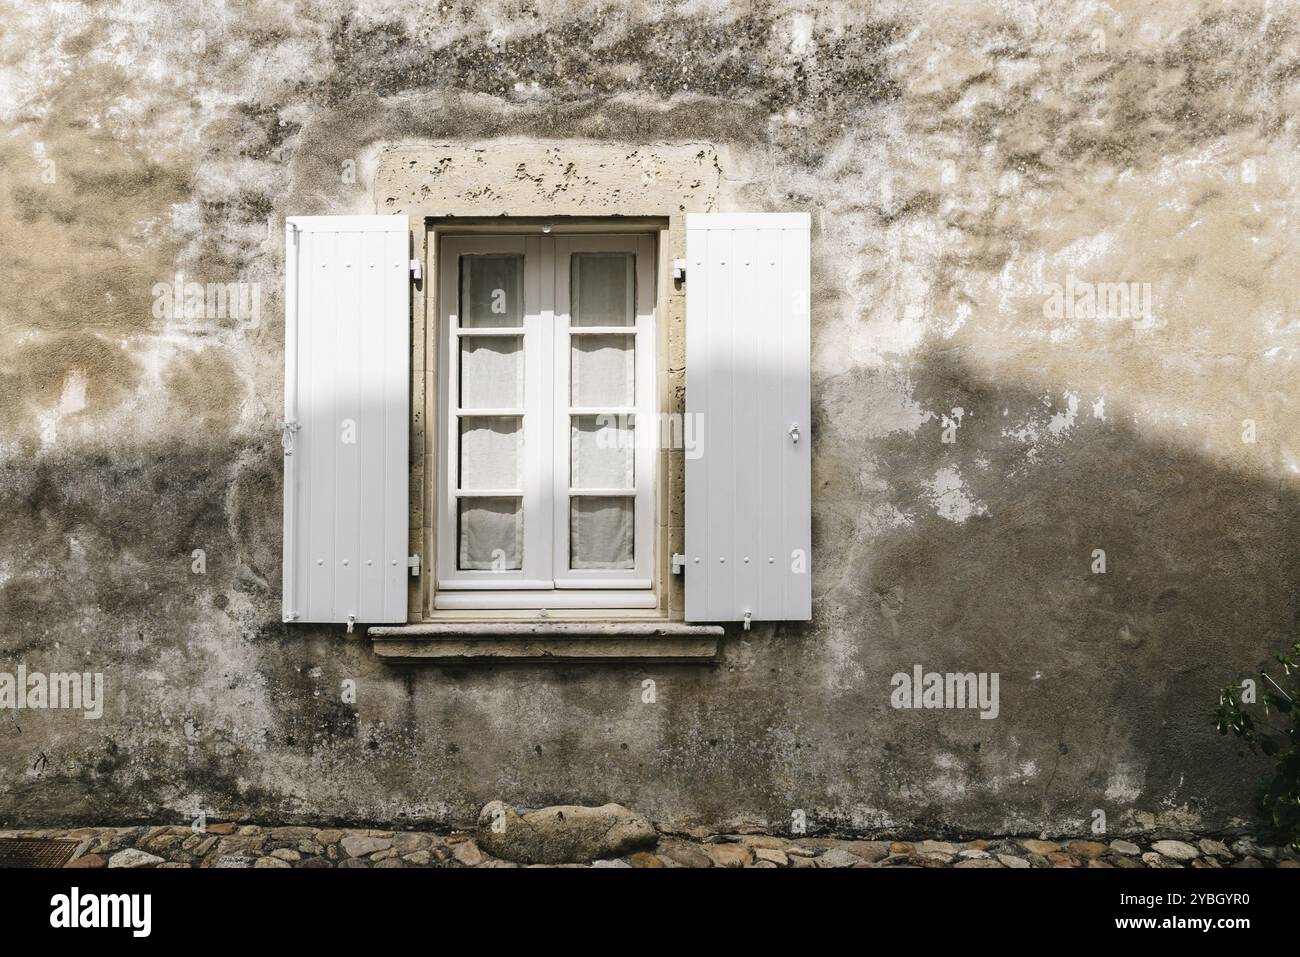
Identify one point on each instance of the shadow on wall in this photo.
(100, 571)
(1107, 678)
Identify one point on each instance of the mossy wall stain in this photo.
(958, 160)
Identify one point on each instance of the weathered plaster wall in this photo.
(958, 158)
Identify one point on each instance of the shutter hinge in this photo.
(749, 617)
(352, 620)
(413, 563)
(679, 564)
(679, 269)
(287, 431)
(416, 274)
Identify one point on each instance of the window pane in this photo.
(491, 372)
(600, 532)
(491, 452)
(491, 534)
(602, 289)
(603, 371)
(601, 452)
(491, 291)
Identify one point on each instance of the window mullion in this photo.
(546, 407)
(536, 431)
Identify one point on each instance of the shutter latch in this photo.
(749, 617)
(287, 430)
(413, 563)
(679, 269)
(415, 270)
(679, 564)
(794, 433)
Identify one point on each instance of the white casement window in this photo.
(547, 431)
(547, 435)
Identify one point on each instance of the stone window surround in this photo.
(524, 187)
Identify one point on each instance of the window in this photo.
(540, 436)
(547, 437)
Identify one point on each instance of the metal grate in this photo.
(35, 852)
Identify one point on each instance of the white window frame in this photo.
(545, 579)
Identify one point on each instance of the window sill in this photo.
(471, 642)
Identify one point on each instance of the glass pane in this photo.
(491, 534)
(603, 371)
(491, 372)
(492, 290)
(600, 532)
(601, 449)
(602, 289)
(491, 450)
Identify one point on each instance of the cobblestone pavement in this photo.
(251, 845)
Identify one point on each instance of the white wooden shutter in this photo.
(748, 484)
(346, 418)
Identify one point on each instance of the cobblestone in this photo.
(225, 845)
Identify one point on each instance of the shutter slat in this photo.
(347, 427)
(719, 432)
(770, 442)
(748, 495)
(347, 385)
(372, 441)
(316, 330)
(396, 391)
(796, 479)
(746, 387)
(696, 510)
